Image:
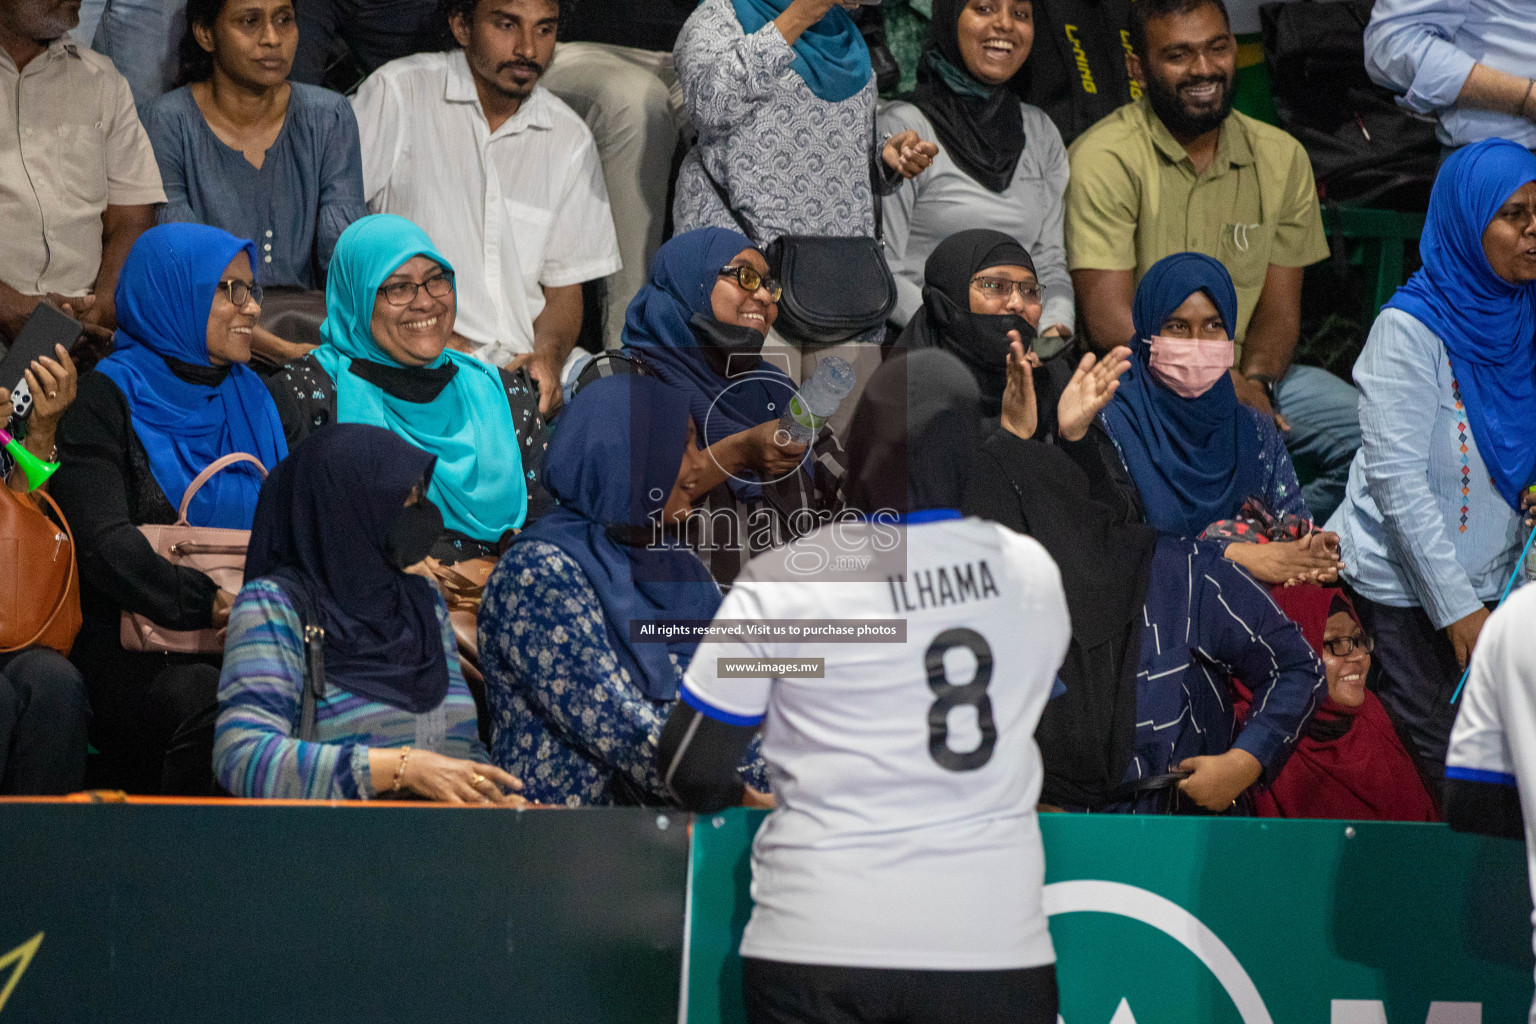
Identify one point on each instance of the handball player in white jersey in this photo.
(899, 877)
(1490, 771)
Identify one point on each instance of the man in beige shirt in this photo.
(1179, 171)
(78, 179)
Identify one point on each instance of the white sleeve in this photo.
(582, 243)
(1495, 729)
(732, 700)
(377, 106)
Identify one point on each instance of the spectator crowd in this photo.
(456, 517)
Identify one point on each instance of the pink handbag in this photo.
(217, 552)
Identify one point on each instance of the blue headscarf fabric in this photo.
(683, 276)
(831, 56)
(1488, 325)
(478, 482)
(1194, 460)
(612, 465)
(164, 293)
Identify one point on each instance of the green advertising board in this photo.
(1223, 921)
(268, 914)
(209, 914)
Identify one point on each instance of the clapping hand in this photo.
(1092, 386)
(1020, 414)
(1312, 559)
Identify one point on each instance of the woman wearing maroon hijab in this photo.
(1349, 762)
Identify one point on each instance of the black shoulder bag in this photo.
(313, 635)
(836, 287)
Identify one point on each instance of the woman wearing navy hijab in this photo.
(1430, 525)
(174, 396)
(577, 698)
(1193, 453)
(700, 324)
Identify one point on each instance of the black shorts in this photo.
(781, 993)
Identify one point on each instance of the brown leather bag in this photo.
(461, 585)
(214, 551)
(40, 588)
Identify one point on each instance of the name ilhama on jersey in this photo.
(941, 587)
(906, 773)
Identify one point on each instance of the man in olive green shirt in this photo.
(1178, 170)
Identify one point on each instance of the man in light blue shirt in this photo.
(1471, 63)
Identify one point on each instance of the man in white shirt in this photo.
(1490, 772)
(899, 877)
(503, 176)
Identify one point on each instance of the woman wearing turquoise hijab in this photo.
(390, 304)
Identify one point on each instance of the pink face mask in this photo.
(1189, 367)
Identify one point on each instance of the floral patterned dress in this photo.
(565, 717)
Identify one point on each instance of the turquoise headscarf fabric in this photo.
(830, 56)
(479, 482)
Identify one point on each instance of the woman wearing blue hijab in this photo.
(700, 324)
(1194, 454)
(577, 698)
(390, 303)
(174, 396)
(1430, 525)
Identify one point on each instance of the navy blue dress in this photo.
(307, 190)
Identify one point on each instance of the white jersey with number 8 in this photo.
(907, 777)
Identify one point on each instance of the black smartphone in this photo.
(44, 329)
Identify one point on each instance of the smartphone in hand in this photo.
(45, 328)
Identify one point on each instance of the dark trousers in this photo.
(781, 993)
(374, 31)
(1417, 674)
(153, 715)
(43, 722)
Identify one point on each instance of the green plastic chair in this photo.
(1376, 240)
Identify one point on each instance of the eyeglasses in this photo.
(749, 280)
(240, 292)
(403, 293)
(1001, 288)
(1344, 646)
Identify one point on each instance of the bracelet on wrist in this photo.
(1525, 100)
(405, 755)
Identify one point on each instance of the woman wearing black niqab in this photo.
(975, 307)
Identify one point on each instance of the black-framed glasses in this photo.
(1344, 646)
(1001, 288)
(240, 292)
(749, 280)
(403, 293)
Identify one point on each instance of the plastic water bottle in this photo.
(817, 399)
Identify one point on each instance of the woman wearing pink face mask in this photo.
(1192, 452)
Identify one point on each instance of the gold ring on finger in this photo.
(477, 780)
